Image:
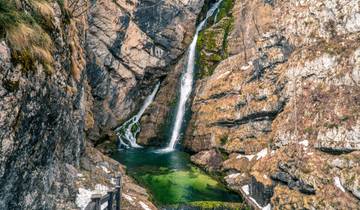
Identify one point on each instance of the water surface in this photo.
(171, 178)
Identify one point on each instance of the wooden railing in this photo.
(112, 198)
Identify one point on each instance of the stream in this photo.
(167, 173)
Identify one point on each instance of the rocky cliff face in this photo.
(70, 71)
(277, 110)
(131, 45)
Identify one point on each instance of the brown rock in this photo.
(211, 160)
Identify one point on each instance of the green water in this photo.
(171, 178)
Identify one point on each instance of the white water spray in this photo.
(187, 80)
(130, 129)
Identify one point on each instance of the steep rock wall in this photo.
(131, 45)
(282, 111)
(71, 71)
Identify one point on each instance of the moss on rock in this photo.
(212, 42)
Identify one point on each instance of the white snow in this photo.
(79, 175)
(83, 198)
(267, 207)
(305, 143)
(249, 157)
(245, 188)
(258, 156)
(261, 154)
(338, 184)
(144, 206)
(104, 205)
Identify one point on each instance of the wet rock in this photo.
(260, 192)
(129, 50)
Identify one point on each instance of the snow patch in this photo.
(261, 154)
(144, 206)
(338, 184)
(83, 198)
(104, 205)
(245, 188)
(267, 207)
(249, 157)
(305, 143)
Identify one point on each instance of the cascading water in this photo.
(187, 80)
(130, 129)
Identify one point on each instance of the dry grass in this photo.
(20, 37)
(45, 11)
(30, 44)
(77, 58)
(44, 55)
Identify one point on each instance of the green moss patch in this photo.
(225, 9)
(212, 46)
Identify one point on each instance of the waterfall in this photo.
(187, 80)
(128, 131)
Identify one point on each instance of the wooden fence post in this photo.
(110, 201)
(118, 193)
(95, 198)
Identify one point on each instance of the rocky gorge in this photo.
(274, 114)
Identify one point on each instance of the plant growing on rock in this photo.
(30, 44)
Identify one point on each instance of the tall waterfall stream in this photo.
(168, 173)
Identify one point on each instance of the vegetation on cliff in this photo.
(24, 31)
(212, 42)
